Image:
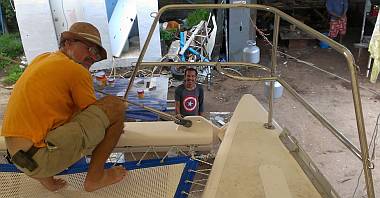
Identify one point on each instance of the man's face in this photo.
(190, 78)
(85, 54)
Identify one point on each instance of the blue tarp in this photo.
(134, 112)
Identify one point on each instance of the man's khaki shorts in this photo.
(70, 142)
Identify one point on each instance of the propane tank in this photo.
(251, 53)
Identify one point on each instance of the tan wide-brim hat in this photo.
(85, 32)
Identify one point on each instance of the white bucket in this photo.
(278, 89)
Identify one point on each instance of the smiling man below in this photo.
(189, 96)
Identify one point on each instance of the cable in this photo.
(373, 155)
(180, 121)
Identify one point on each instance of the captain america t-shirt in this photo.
(191, 102)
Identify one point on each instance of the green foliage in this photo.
(14, 74)
(10, 15)
(4, 63)
(197, 16)
(10, 45)
(167, 35)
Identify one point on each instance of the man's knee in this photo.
(113, 107)
(116, 128)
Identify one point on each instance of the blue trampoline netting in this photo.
(171, 177)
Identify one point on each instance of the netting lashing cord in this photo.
(179, 121)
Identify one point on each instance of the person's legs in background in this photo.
(333, 32)
(342, 28)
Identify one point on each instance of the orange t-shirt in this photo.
(51, 89)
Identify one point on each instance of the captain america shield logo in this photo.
(189, 103)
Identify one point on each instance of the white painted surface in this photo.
(67, 12)
(164, 133)
(36, 27)
(274, 182)
(144, 10)
(41, 25)
(120, 25)
(253, 162)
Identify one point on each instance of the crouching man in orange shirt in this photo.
(53, 118)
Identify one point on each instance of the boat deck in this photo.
(253, 162)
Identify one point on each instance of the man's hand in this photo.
(178, 116)
(113, 107)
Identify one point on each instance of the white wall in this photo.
(92, 11)
(42, 21)
(144, 10)
(36, 27)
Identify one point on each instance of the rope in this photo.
(180, 121)
(373, 155)
(163, 114)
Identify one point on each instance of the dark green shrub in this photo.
(14, 74)
(10, 45)
(10, 15)
(197, 16)
(168, 35)
(4, 63)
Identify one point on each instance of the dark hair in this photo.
(191, 69)
(62, 43)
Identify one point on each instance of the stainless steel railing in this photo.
(362, 154)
